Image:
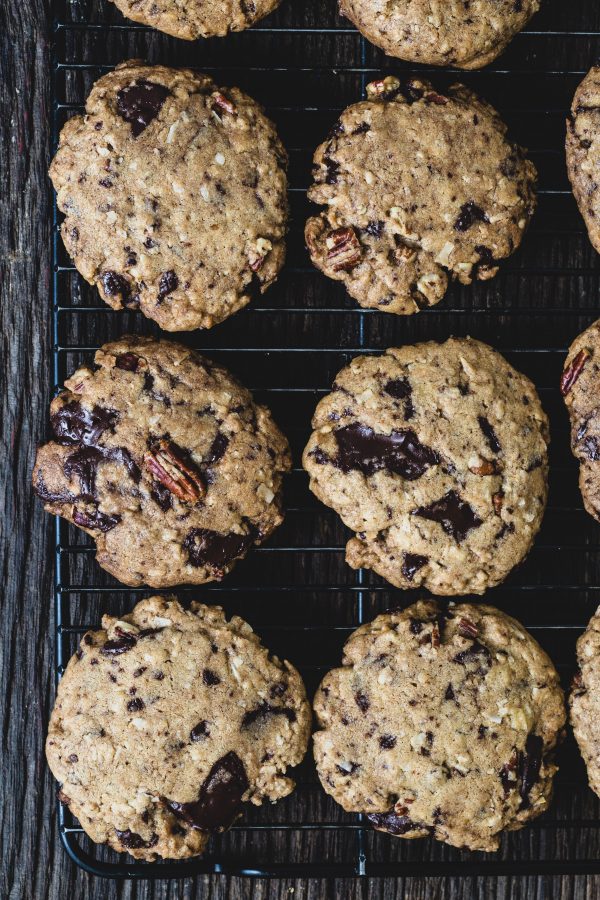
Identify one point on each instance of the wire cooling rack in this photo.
(304, 64)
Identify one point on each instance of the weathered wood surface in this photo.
(33, 864)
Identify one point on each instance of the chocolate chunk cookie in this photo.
(174, 194)
(468, 35)
(197, 18)
(436, 456)
(417, 187)
(165, 460)
(441, 722)
(583, 152)
(167, 721)
(585, 700)
(580, 387)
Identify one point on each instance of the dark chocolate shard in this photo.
(115, 285)
(217, 449)
(220, 799)
(140, 103)
(490, 434)
(134, 841)
(469, 213)
(392, 823)
(530, 763)
(455, 516)
(401, 452)
(412, 563)
(263, 711)
(95, 520)
(74, 424)
(200, 731)
(213, 549)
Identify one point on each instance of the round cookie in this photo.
(165, 460)
(441, 32)
(418, 187)
(167, 721)
(580, 387)
(585, 700)
(436, 456)
(583, 152)
(197, 18)
(174, 194)
(441, 723)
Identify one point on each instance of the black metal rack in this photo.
(305, 64)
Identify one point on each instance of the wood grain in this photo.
(34, 866)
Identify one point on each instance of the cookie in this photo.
(167, 721)
(165, 460)
(583, 152)
(174, 195)
(441, 723)
(580, 387)
(467, 35)
(436, 456)
(197, 18)
(418, 187)
(585, 700)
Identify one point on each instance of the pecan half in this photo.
(224, 103)
(343, 249)
(572, 372)
(168, 464)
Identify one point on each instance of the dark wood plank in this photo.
(34, 866)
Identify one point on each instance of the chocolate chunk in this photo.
(348, 769)
(508, 772)
(530, 763)
(122, 644)
(140, 103)
(473, 652)
(161, 496)
(200, 731)
(392, 823)
(412, 563)
(278, 690)
(75, 424)
(210, 678)
(220, 799)
(263, 711)
(85, 461)
(134, 841)
(375, 228)
(95, 520)
(416, 626)
(455, 516)
(135, 705)
(400, 389)
(449, 695)
(217, 449)
(387, 741)
(168, 283)
(469, 214)
(44, 492)
(362, 701)
(127, 361)
(490, 434)
(115, 285)
(401, 452)
(213, 549)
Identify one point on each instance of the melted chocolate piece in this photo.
(392, 823)
(134, 841)
(44, 492)
(412, 563)
(220, 799)
(469, 214)
(400, 452)
(140, 103)
(115, 285)
(85, 461)
(217, 449)
(362, 701)
(530, 763)
(213, 549)
(263, 711)
(210, 678)
(122, 644)
(161, 496)
(127, 361)
(200, 731)
(400, 389)
(74, 424)
(490, 434)
(95, 520)
(455, 516)
(168, 283)
(475, 650)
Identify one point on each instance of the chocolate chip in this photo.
(455, 516)
(217, 449)
(473, 652)
(168, 283)
(490, 434)
(140, 103)
(127, 361)
(416, 626)
(149, 243)
(210, 678)
(375, 228)
(213, 549)
(220, 799)
(362, 701)
(362, 128)
(264, 711)
(400, 389)
(122, 644)
(332, 170)
(133, 841)
(387, 741)
(401, 452)
(449, 695)
(469, 214)
(135, 705)
(115, 285)
(412, 563)
(200, 731)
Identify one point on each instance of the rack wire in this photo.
(304, 64)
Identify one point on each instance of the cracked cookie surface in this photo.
(436, 456)
(418, 187)
(583, 152)
(167, 722)
(441, 32)
(585, 700)
(441, 722)
(197, 18)
(165, 460)
(174, 195)
(580, 387)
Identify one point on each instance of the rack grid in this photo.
(304, 64)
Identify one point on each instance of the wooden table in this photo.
(33, 864)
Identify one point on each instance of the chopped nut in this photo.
(572, 372)
(382, 86)
(486, 468)
(344, 250)
(404, 253)
(224, 103)
(438, 99)
(498, 500)
(467, 628)
(167, 464)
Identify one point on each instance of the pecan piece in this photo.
(224, 103)
(498, 500)
(343, 249)
(168, 465)
(468, 628)
(572, 372)
(486, 468)
(382, 86)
